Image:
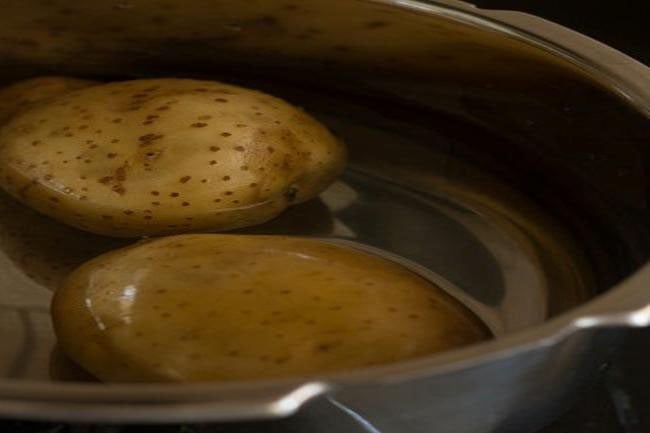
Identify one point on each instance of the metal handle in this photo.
(85, 403)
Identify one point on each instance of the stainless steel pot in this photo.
(504, 153)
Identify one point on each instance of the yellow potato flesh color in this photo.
(233, 307)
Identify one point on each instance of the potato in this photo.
(22, 94)
(210, 307)
(159, 156)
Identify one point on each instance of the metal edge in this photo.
(621, 74)
(629, 78)
(250, 401)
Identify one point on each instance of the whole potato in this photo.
(150, 157)
(211, 307)
(21, 94)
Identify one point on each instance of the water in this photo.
(405, 192)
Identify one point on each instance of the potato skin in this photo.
(22, 94)
(212, 307)
(161, 156)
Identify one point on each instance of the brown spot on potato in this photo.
(120, 174)
(148, 139)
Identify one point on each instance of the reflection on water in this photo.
(404, 192)
(312, 218)
(418, 227)
(43, 249)
(477, 252)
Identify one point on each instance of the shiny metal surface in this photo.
(476, 153)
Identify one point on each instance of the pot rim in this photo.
(626, 305)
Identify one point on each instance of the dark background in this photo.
(622, 24)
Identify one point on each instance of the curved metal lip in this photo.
(624, 305)
(621, 74)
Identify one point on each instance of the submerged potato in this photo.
(21, 94)
(149, 157)
(233, 307)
